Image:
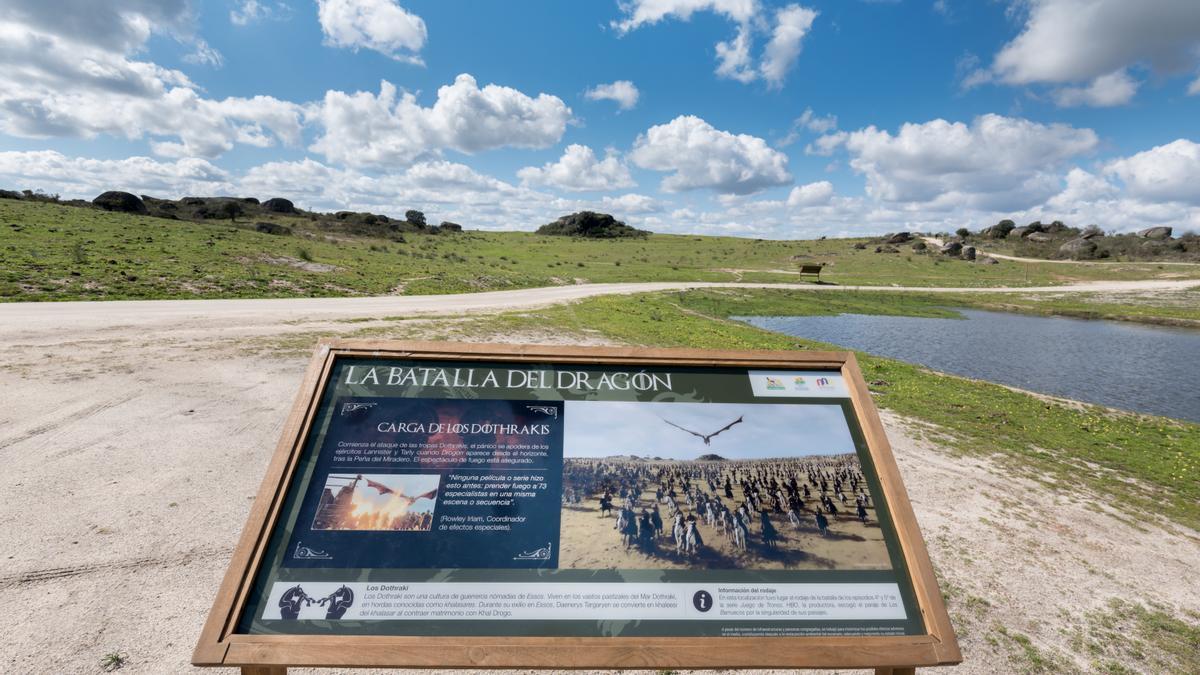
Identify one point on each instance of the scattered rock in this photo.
(886, 249)
(920, 247)
(279, 205)
(1078, 249)
(1039, 237)
(968, 253)
(952, 248)
(273, 228)
(448, 226)
(860, 246)
(1091, 232)
(1155, 233)
(987, 261)
(900, 238)
(124, 202)
(998, 231)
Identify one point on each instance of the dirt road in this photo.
(33, 317)
(132, 448)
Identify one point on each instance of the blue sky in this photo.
(767, 430)
(741, 117)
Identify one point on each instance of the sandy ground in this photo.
(131, 454)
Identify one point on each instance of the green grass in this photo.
(114, 660)
(1141, 465)
(1028, 657)
(56, 252)
(1178, 308)
(1128, 637)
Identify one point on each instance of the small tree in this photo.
(963, 232)
(231, 210)
(415, 217)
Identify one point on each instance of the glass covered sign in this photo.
(520, 494)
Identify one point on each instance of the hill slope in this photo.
(59, 252)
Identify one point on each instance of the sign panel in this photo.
(613, 498)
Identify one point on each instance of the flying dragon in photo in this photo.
(706, 437)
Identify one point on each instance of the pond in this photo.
(1148, 369)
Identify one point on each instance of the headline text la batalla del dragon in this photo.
(399, 376)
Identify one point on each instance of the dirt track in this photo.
(33, 317)
(133, 446)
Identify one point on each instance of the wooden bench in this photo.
(812, 269)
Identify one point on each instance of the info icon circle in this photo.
(702, 600)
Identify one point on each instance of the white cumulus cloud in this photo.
(56, 84)
(733, 57)
(1168, 172)
(641, 12)
(792, 23)
(247, 12)
(701, 156)
(579, 170)
(379, 25)
(1082, 42)
(994, 162)
(631, 204)
(393, 128)
(623, 92)
(811, 194)
(785, 29)
(85, 178)
(1116, 88)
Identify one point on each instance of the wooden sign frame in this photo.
(220, 645)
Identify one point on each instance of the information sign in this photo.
(516, 506)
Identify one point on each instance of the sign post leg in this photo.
(264, 670)
(895, 671)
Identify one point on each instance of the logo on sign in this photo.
(305, 553)
(536, 554)
(348, 408)
(774, 383)
(545, 410)
(799, 384)
(702, 601)
(823, 382)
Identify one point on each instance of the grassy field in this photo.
(56, 252)
(1146, 467)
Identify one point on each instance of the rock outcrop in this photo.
(1078, 249)
(114, 200)
(279, 205)
(591, 225)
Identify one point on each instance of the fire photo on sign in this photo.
(715, 486)
(381, 502)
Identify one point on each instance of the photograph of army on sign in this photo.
(715, 486)
(395, 502)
